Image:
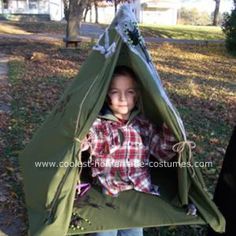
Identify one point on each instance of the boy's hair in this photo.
(125, 71)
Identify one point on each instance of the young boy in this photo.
(121, 140)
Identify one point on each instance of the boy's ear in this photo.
(108, 100)
(139, 97)
(139, 102)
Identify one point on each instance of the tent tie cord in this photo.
(84, 146)
(180, 147)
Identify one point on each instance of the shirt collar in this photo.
(107, 114)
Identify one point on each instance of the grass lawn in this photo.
(200, 81)
(175, 32)
(183, 32)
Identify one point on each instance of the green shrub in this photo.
(229, 28)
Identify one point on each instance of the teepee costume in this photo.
(50, 192)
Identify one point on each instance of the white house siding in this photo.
(27, 7)
(159, 16)
(1, 7)
(158, 12)
(56, 10)
(163, 12)
(106, 14)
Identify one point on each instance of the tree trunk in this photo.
(88, 8)
(81, 7)
(115, 4)
(235, 4)
(66, 9)
(75, 15)
(216, 13)
(96, 11)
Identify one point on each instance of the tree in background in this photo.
(220, 18)
(74, 10)
(96, 4)
(96, 10)
(66, 9)
(229, 28)
(193, 17)
(116, 3)
(73, 14)
(216, 13)
(89, 8)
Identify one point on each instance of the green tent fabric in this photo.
(50, 191)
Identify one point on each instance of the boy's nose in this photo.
(123, 97)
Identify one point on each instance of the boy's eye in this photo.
(113, 92)
(131, 92)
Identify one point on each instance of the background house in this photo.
(54, 9)
(146, 11)
(163, 12)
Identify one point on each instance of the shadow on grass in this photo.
(210, 104)
(38, 27)
(211, 49)
(26, 48)
(201, 65)
(200, 77)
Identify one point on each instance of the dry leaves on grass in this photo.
(199, 77)
(39, 73)
(201, 83)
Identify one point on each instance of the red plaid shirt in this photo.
(121, 153)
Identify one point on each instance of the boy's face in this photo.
(122, 95)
